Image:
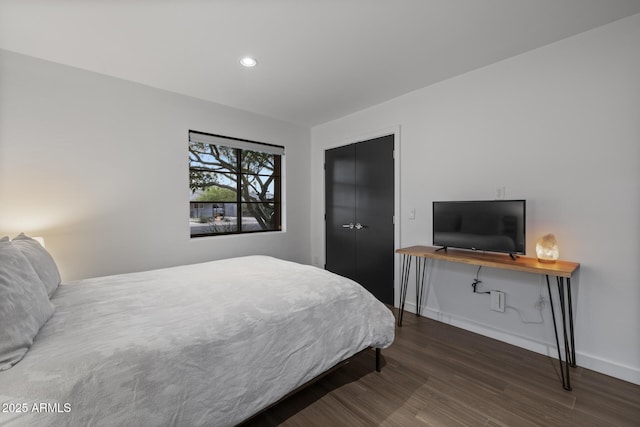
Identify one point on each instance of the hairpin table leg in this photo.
(404, 277)
(567, 317)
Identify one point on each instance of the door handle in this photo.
(349, 226)
(360, 226)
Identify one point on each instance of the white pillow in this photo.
(24, 305)
(41, 261)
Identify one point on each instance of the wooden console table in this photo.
(560, 269)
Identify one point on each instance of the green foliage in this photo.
(223, 226)
(217, 194)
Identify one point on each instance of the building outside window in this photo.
(235, 185)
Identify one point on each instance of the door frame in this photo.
(395, 131)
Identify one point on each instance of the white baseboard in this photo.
(607, 367)
(588, 361)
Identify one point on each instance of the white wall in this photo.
(99, 167)
(558, 126)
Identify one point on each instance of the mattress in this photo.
(203, 344)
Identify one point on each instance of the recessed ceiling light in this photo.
(248, 61)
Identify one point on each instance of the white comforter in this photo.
(203, 344)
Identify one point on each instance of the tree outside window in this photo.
(235, 186)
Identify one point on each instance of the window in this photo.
(235, 185)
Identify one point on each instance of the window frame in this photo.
(240, 146)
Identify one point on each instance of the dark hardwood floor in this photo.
(438, 375)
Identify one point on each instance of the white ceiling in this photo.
(318, 60)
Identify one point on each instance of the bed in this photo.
(204, 344)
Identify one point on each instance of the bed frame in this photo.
(318, 378)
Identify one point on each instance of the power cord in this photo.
(523, 320)
(539, 305)
(476, 282)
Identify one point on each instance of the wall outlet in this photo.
(412, 213)
(497, 301)
(501, 193)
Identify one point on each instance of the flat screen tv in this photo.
(482, 225)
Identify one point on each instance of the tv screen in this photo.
(487, 225)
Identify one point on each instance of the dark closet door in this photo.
(340, 196)
(359, 203)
